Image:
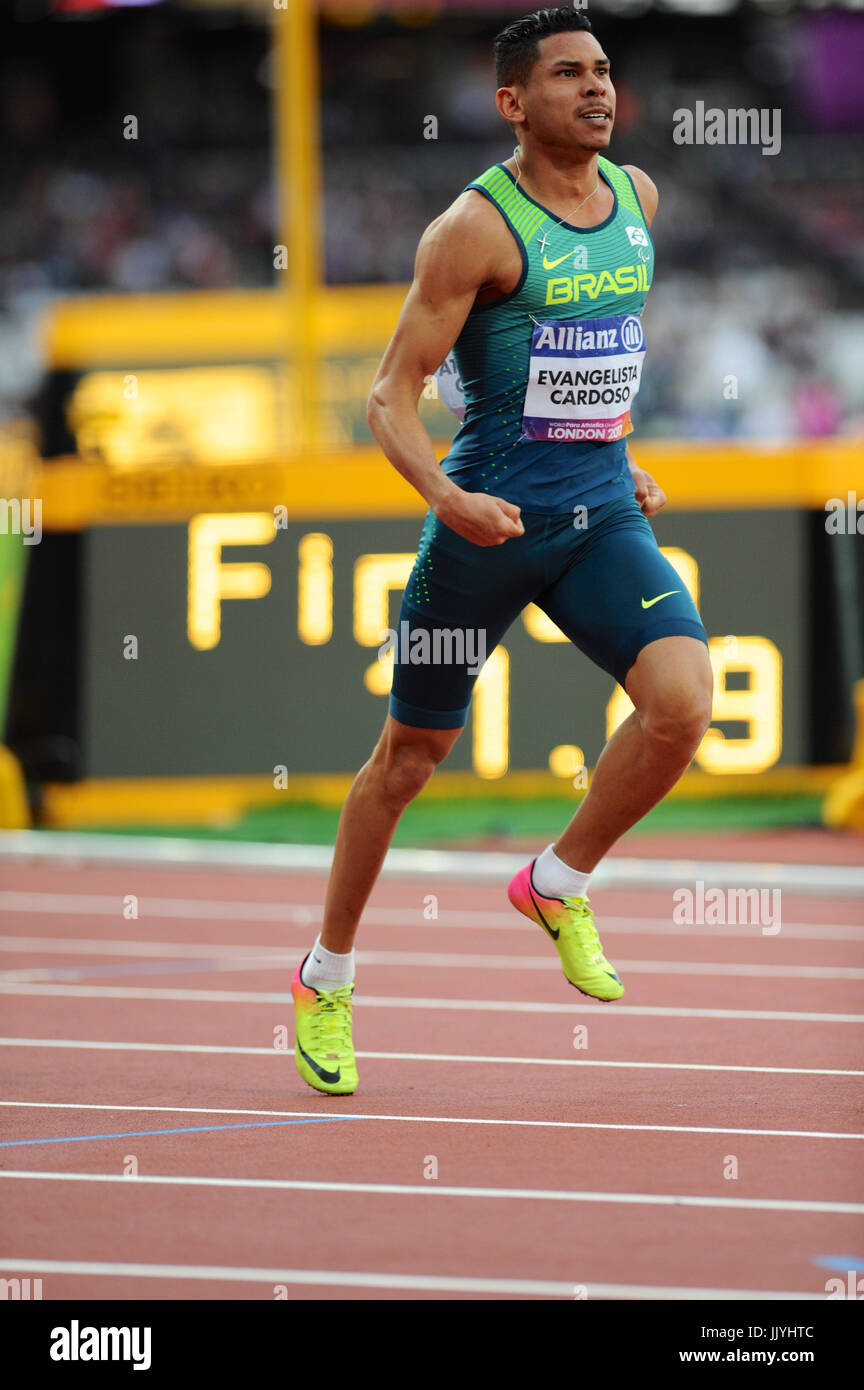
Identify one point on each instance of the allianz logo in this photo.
(580, 337)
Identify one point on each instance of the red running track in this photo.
(510, 1139)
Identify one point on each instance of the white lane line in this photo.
(464, 865)
(238, 958)
(365, 1279)
(383, 1001)
(111, 905)
(393, 1189)
(431, 1119)
(304, 915)
(75, 1044)
(99, 946)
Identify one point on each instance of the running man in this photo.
(536, 277)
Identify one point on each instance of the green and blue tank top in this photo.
(549, 371)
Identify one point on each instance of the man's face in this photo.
(569, 99)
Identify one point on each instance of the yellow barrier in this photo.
(844, 805)
(14, 806)
(198, 326)
(359, 482)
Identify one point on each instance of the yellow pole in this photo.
(298, 176)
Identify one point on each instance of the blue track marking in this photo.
(186, 1129)
(842, 1263)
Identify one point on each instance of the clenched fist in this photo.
(649, 496)
(479, 518)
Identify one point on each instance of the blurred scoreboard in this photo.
(241, 643)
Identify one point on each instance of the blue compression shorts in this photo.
(607, 586)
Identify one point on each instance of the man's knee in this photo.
(404, 766)
(675, 718)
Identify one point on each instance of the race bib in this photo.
(450, 388)
(583, 377)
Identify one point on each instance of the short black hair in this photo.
(516, 47)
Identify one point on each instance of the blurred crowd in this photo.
(757, 315)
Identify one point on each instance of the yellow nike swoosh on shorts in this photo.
(649, 603)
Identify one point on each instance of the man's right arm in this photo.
(455, 258)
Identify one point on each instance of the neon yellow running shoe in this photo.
(324, 1049)
(570, 924)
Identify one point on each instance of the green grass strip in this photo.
(443, 822)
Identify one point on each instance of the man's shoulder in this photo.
(645, 187)
(471, 214)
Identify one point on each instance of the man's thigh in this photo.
(620, 592)
(458, 603)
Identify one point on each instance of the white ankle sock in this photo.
(555, 879)
(327, 969)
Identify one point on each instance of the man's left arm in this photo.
(649, 496)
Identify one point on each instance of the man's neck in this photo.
(556, 177)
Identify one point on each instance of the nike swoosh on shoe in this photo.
(554, 932)
(331, 1077)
